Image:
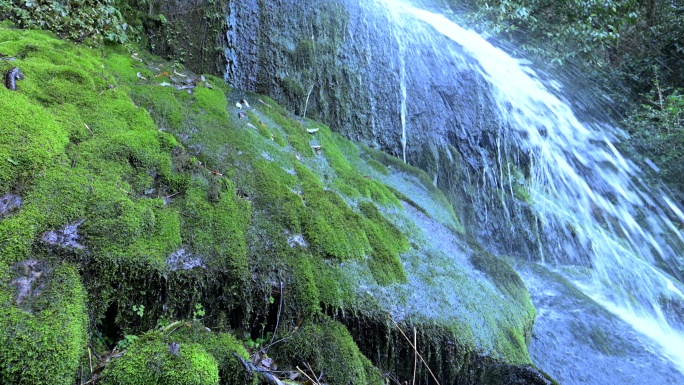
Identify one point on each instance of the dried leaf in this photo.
(165, 73)
(312, 130)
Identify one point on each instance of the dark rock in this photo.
(174, 348)
(28, 283)
(66, 237)
(9, 203)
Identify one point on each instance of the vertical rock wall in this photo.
(346, 63)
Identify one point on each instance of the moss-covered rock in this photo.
(328, 348)
(151, 360)
(44, 332)
(224, 347)
(174, 199)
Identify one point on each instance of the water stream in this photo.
(618, 240)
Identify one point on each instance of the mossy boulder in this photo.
(44, 323)
(151, 360)
(224, 347)
(328, 348)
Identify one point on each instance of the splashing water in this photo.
(581, 187)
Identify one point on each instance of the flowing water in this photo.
(588, 198)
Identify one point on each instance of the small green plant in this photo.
(139, 310)
(198, 313)
(126, 342)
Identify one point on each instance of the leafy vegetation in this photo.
(74, 19)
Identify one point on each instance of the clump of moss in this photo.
(296, 132)
(216, 230)
(30, 142)
(387, 243)
(42, 339)
(328, 347)
(348, 180)
(151, 360)
(516, 335)
(224, 347)
(332, 229)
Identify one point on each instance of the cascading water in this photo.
(587, 197)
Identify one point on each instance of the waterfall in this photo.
(588, 199)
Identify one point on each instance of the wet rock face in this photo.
(9, 203)
(181, 259)
(343, 62)
(348, 64)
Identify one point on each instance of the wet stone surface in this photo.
(181, 259)
(9, 204)
(29, 282)
(66, 237)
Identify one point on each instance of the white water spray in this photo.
(580, 184)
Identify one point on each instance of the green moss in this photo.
(30, 142)
(42, 339)
(329, 348)
(332, 229)
(336, 150)
(222, 346)
(387, 243)
(212, 101)
(150, 360)
(516, 334)
(396, 166)
(216, 231)
(297, 135)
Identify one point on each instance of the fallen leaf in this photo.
(238, 105)
(267, 363)
(165, 73)
(312, 130)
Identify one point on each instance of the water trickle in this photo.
(588, 199)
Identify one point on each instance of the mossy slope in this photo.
(176, 194)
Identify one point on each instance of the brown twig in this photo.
(280, 307)
(415, 356)
(415, 350)
(91, 131)
(90, 361)
(308, 377)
